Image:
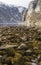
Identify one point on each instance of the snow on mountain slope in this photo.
(11, 14)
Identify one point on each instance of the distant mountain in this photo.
(11, 14)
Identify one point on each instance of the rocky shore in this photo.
(20, 46)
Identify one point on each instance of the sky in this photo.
(23, 3)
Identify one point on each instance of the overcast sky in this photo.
(17, 2)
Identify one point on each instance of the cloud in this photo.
(17, 2)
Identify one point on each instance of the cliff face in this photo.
(30, 17)
(38, 7)
(33, 16)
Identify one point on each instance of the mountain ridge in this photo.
(11, 14)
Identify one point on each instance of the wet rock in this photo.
(35, 48)
(28, 63)
(34, 64)
(0, 58)
(22, 47)
(40, 63)
(28, 52)
(24, 38)
(35, 60)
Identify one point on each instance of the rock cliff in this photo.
(33, 15)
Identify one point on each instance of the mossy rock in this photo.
(17, 57)
(10, 52)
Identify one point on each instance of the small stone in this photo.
(35, 60)
(28, 63)
(22, 47)
(40, 63)
(28, 52)
(24, 38)
(35, 48)
(34, 64)
(0, 57)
